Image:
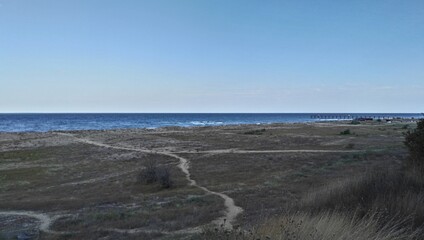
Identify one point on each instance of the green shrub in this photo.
(163, 175)
(152, 173)
(255, 132)
(414, 141)
(345, 132)
(148, 174)
(350, 146)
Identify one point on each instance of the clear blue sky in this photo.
(211, 56)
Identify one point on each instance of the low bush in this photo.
(256, 132)
(414, 141)
(163, 175)
(350, 146)
(152, 173)
(345, 132)
(148, 174)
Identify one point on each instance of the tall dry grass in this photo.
(323, 226)
(379, 205)
(393, 194)
(331, 226)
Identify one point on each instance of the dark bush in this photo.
(414, 141)
(255, 132)
(350, 146)
(345, 132)
(148, 174)
(163, 175)
(153, 173)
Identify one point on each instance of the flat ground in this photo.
(83, 184)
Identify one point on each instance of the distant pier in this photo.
(357, 116)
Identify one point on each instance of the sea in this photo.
(43, 122)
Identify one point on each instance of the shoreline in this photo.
(69, 122)
(220, 126)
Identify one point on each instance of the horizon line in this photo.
(212, 113)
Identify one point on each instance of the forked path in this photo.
(232, 210)
(44, 220)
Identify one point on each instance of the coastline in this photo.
(60, 175)
(67, 122)
(221, 126)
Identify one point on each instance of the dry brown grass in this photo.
(378, 205)
(392, 193)
(263, 184)
(323, 226)
(38, 172)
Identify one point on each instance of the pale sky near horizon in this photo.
(211, 56)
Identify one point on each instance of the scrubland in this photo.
(292, 181)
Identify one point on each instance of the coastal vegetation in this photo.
(414, 141)
(152, 173)
(286, 181)
(345, 132)
(383, 203)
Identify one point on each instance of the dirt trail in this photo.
(144, 230)
(271, 151)
(232, 210)
(44, 219)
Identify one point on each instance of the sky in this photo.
(211, 56)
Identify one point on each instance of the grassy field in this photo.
(296, 178)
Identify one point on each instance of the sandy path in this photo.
(219, 151)
(44, 219)
(144, 230)
(232, 210)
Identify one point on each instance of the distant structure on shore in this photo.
(359, 117)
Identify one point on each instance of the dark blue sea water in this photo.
(99, 121)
